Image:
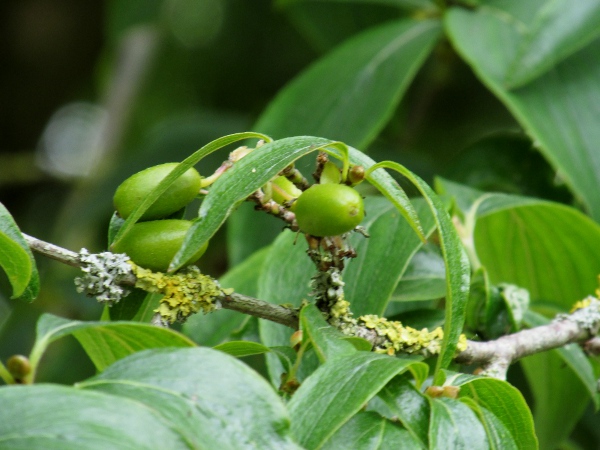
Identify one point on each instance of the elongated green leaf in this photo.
(261, 165)
(104, 342)
(240, 349)
(502, 400)
(409, 406)
(212, 329)
(209, 397)
(558, 109)
(370, 284)
(336, 391)
(559, 28)
(453, 425)
(351, 93)
(186, 164)
(369, 431)
(458, 271)
(63, 418)
(327, 341)
(16, 259)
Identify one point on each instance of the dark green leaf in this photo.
(559, 28)
(558, 109)
(369, 431)
(369, 283)
(63, 418)
(424, 278)
(104, 342)
(240, 349)
(409, 406)
(573, 356)
(503, 401)
(453, 425)
(458, 269)
(16, 259)
(327, 341)
(498, 436)
(560, 397)
(351, 93)
(209, 397)
(284, 279)
(336, 391)
(544, 247)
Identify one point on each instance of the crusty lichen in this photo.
(185, 292)
(102, 274)
(396, 337)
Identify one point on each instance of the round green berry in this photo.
(153, 244)
(138, 186)
(329, 210)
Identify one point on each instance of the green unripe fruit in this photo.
(329, 210)
(284, 190)
(153, 244)
(137, 187)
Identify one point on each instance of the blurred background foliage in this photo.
(92, 92)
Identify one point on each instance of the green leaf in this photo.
(240, 349)
(351, 93)
(186, 164)
(260, 166)
(209, 397)
(564, 370)
(558, 109)
(284, 279)
(503, 401)
(336, 391)
(546, 248)
(458, 270)
(370, 284)
(424, 277)
(63, 418)
(212, 329)
(104, 342)
(16, 259)
(560, 28)
(369, 431)
(409, 406)
(498, 436)
(453, 425)
(327, 341)
(560, 398)
(573, 356)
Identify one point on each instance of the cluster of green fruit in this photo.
(325, 209)
(155, 239)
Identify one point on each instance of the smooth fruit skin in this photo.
(153, 244)
(137, 187)
(329, 210)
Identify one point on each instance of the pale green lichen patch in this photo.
(396, 337)
(185, 292)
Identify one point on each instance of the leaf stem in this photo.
(5, 374)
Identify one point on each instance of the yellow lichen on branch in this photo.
(185, 292)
